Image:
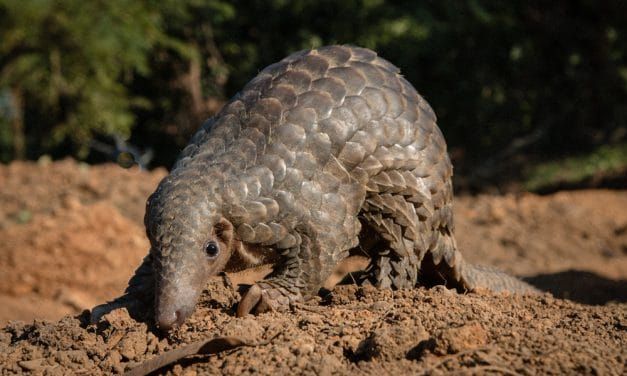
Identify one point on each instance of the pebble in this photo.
(31, 365)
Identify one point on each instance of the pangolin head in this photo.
(190, 241)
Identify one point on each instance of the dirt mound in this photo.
(352, 331)
(72, 235)
(31, 189)
(573, 244)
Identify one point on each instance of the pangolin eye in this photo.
(212, 249)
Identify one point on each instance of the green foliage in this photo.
(73, 60)
(605, 160)
(512, 82)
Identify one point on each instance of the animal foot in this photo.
(138, 309)
(266, 296)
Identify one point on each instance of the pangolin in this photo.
(323, 149)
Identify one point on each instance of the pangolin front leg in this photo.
(295, 278)
(138, 297)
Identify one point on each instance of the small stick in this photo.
(207, 346)
(458, 355)
(483, 369)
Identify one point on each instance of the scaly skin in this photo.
(314, 149)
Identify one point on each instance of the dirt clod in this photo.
(454, 340)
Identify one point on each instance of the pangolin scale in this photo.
(322, 149)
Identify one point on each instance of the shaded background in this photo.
(529, 94)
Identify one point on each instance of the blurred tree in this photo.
(188, 75)
(66, 64)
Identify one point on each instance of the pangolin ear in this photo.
(224, 231)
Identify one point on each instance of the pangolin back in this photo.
(315, 143)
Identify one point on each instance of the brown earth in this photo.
(72, 234)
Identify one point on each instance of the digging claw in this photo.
(263, 298)
(100, 310)
(249, 301)
(136, 308)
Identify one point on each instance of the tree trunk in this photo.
(17, 123)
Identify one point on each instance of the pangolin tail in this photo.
(481, 277)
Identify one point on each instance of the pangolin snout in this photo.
(170, 318)
(174, 303)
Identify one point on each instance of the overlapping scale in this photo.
(317, 140)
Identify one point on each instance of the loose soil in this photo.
(71, 235)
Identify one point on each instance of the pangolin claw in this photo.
(264, 297)
(249, 301)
